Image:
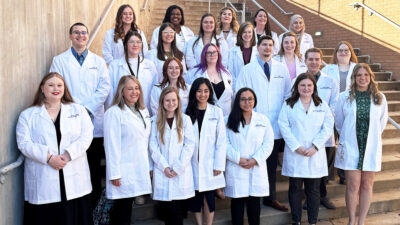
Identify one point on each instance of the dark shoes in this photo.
(324, 201)
(328, 204)
(276, 205)
(297, 223)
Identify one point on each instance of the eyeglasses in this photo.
(211, 53)
(134, 42)
(168, 32)
(345, 51)
(249, 100)
(77, 32)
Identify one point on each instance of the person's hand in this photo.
(57, 162)
(251, 163)
(116, 182)
(243, 162)
(217, 172)
(301, 151)
(67, 156)
(311, 151)
(169, 173)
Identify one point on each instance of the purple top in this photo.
(246, 55)
(292, 69)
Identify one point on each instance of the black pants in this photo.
(330, 157)
(272, 164)
(253, 206)
(95, 153)
(121, 212)
(172, 212)
(311, 186)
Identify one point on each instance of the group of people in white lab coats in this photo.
(196, 114)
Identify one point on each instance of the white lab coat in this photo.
(209, 151)
(305, 44)
(256, 144)
(181, 39)
(88, 84)
(274, 37)
(112, 50)
(270, 94)
(328, 91)
(332, 70)
(36, 136)
(126, 144)
(225, 100)
(347, 154)
(299, 128)
(230, 39)
(147, 77)
(152, 56)
(155, 97)
(175, 155)
(193, 54)
(301, 67)
(236, 62)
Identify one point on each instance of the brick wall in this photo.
(339, 21)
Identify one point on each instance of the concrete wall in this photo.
(32, 34)
(339, 21)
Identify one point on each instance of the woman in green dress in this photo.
(360, 118)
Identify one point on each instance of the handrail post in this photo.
(244, 12)
(209, 6)
(4, 170)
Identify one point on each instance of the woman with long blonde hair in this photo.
(297, 26)
(360, 118)
(171, 147)
(127, 128)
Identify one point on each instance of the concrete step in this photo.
(330, 51)
(394, 106)
(392, 95)
(389, 85)
(376, 67)
(395, 116)
(390, 133)
(383, 76)
(381, 202)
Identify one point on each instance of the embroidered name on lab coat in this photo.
(318, 110)
(212, 119)
(326, 87)
(93, 68)
(260, 125)
(281, 77)
(73, 116)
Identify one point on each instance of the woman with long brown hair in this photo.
(228, 26)
(360, 118)
(53, 135)
(125, 21)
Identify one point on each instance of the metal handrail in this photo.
(271, 17)
(144, 5)
(4, 171)
(236, 10)
(280, 8)
(394, 123)
(101, 23)
(371, 12)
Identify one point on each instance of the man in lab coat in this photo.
(270, 80)
(328, 91)
(86, 76)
